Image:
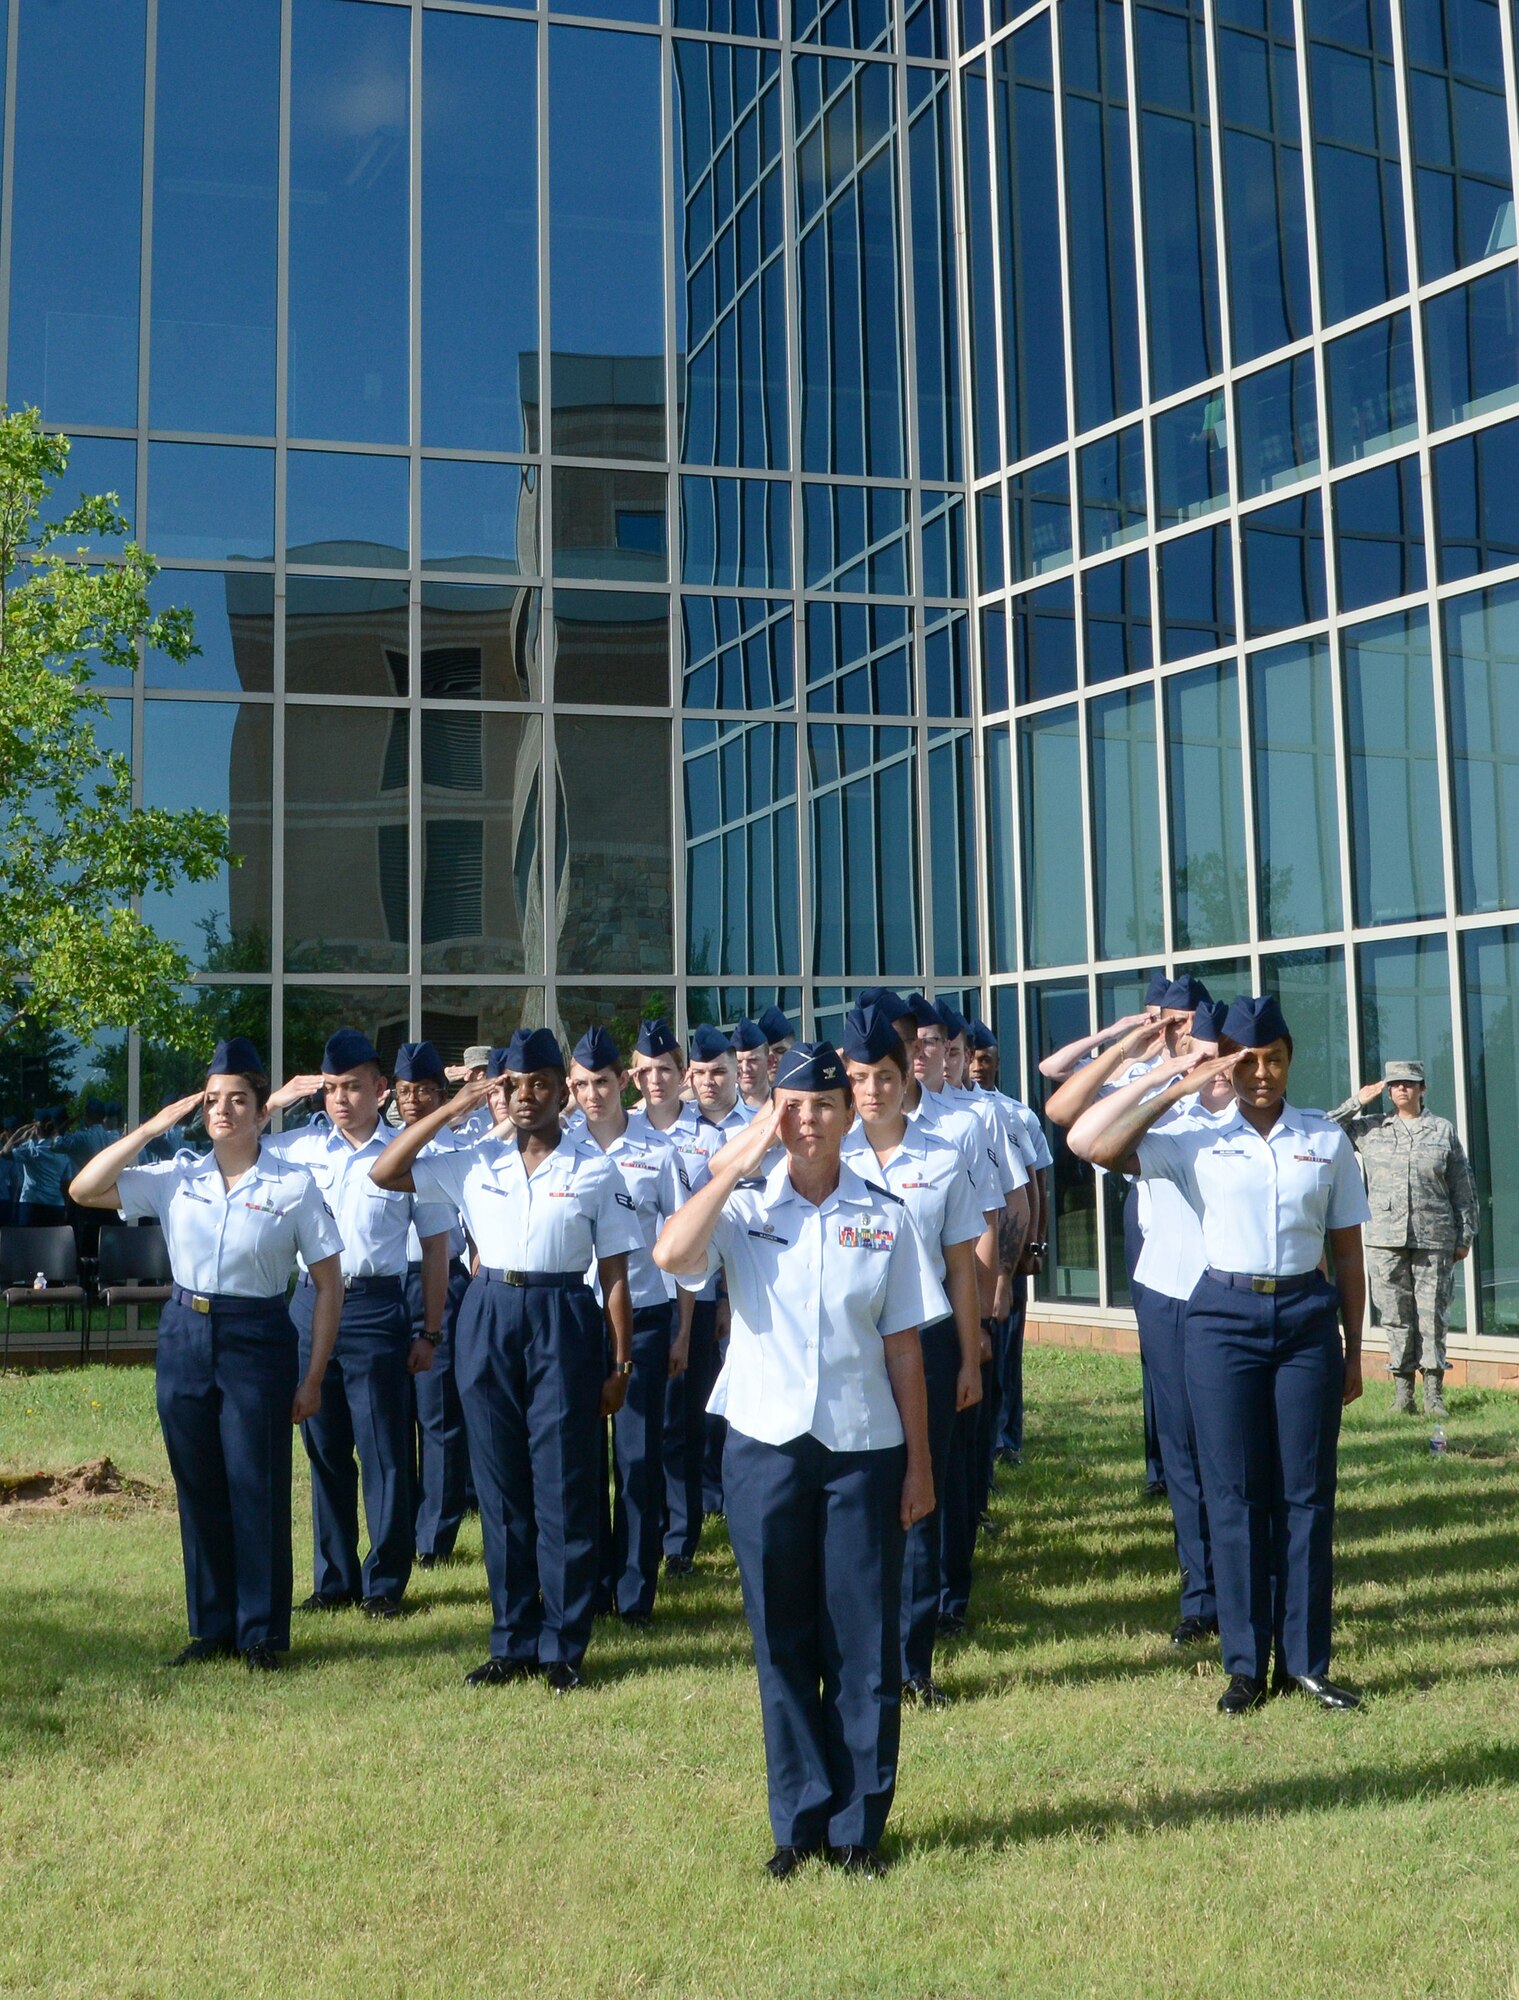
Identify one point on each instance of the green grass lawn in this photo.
(1081, 1822)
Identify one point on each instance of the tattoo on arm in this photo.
(1010, 1237)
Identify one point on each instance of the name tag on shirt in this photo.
(861, 1237)
(768, 1235)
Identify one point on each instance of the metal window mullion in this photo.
(416, 832)
(1509, 34)
(8, 186)
(787, 86)
(281, 452)
(674, 517)
(548, 780)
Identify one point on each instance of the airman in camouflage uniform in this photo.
(1423, 1223)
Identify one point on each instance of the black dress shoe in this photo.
(1241, 1695)
(951, 1624)
(856, 1861)
(563, 1678)
(1007, 1456)
(382, 1607)
(202, 1649)
(1156, 1489)
(262, 1660)
(636, 1618)
(922, 1691)
(786, 1861)
(328, 1600)
(1327, 1693)
(679, 1565)
(429, 1561)
(498, 1673)
(1191, 1630)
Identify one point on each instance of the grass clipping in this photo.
(97, 1479)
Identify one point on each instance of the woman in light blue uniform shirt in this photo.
(929, 1174)
(541, 1206)
(826, 1465)
(229, 1385)
(1266, 1370)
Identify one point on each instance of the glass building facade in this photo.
(702, 502)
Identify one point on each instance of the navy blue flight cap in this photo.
(708, 1044)
(776, 1026)
(1155, 992)
(495, 1061)
(1186, 992)
(528, 1049)
(596, 1050)
(886, 1000)
(113, 1112)
(1255, 1021)
(811, 1066)
(656, 1038)
(93, 1108)
(235, 1057)
(952, 1023)
(750, 1035)
(1208, 1021)
(419, 1062)
(981, 1036)
(868, 1036)
(348, 1049)
(923, 1011)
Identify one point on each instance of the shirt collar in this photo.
(1289, 1118)
(851, 1188)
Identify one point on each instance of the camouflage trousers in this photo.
(1410, 1290)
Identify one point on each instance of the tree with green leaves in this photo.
(75, 852)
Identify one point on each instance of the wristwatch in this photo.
(623, 1368)
(423, 1334)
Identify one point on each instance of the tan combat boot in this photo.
(1403, 1395)
(1434, 1398)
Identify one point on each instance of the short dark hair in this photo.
(895, 1054)
(1228, 1048)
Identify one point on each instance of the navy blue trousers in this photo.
(441, 1463)
(1266, 1374)
(1009, 1338)
(923, 1558)
(1162, 1343)
(686, 1434)
(366, 1408)
(225, 1383)
(985, 1415)
(818, 1537)
(1133, 1243)
(638, 1465)
(530, 1364)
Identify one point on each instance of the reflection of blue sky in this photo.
(204, 594)
(96, 465)
(338, 496)
(187, 761)
(210, 502)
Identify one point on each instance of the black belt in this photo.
(377, 1287)
(227, 1302)
(1241, 1281)
(552, 1281)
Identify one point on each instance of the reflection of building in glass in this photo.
(984, 498)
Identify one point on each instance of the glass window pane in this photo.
(216, 756)
(729, 17)
(1044, 641)
(990, 560)
(1000, 864)
(1054, 873)
(606, 245)
(1477, 501)
(851, 366)
(859, 658)
(97, 467)
(980, 268)
(1482, 668)
(1039, 518)
(1058, 1013)
(1265, 215)
(843, 24)
(943, 544)
(347, 507)
(1394, 782)
(855, 539)
(480, 643)
(742, 886)
(345, 636)
(935, 260)
(1126, 864)
(482, 890)
(479, 218)
(1379, 534)
(740, 652)
(456, 1017)
(994, 681)
(1490, 965)
(215, 182)
(946, 662)
(610, 524)
(349, 221)
(1297, 821)
(1371, 389)
(1033, 332)
(612, 646)
(1176, 193)
(1111, 478)
(479, 517)
(1407, 988)
(210, 501)
(864, 851)
(1471, 338)
(1196, 594)
(1099, 189)
(220, 1012)
(347, 871)
(1119, 636)
(1207, 809)
(736, 532)
(730, 292)
(1357, 177)
(1278, 426)
(1462, 177)
(234, 629)
(76, 233)
(1283, 548)
(614, 889)
(311, 1012)
(1310, 986)
(952, 838)
(1191, 460)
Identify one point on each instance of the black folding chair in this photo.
(26, 1254)
(133, 1269)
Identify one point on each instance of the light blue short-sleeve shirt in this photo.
(930, 1176)
(239, 1242)
(375, 1223)
(572, 1209)
(651, 1172)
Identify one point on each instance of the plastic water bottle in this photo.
(1438, 1443)
(39, 1283)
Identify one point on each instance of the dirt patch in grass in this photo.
(97, 1479)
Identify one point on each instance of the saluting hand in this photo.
(1369, 1092)
(1197, 1071)
(470, 1098)
(293, 1091)
(172, 1114)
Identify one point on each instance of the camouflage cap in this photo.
(1403, 1072)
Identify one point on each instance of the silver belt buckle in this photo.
(1263, 1284)
(199, 1302)
(517, 1278)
